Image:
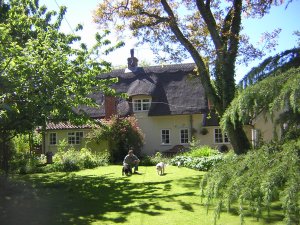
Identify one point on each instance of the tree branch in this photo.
(201, 67)
(209, 19)
(226, 26)
(7, 64)
(235, 30)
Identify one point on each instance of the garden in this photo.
(45, 76)
(201, 186)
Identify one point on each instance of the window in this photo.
(165, 136)
(52, 138)
(219, 137)
(74, 138)
(184, 136)
(141, 105)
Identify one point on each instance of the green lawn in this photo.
(104, 196)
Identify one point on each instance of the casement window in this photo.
(220, 137)
(165, 137)
(52, 139)
(74, 138)
(141, 105)
(184, 136)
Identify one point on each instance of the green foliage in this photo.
(199, 157)
(21, 143)
(278, 63)
(73, 160)
(62, 146)
(201, 151)
(43, 73)
(252, 182)
(198, 163)
(64, 161)
(153, 160)
(122, 134)
(24, 163)
(273, 94)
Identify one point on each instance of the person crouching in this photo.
(132, 160)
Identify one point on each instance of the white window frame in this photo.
(165, 135)
(142, 104)
(184, 136)
(52, 138)
(219, 137)
(75, 138)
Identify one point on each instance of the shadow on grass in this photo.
(61, 198)
(275, 215)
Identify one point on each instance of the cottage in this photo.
(168, 101)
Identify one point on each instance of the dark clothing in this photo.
(131, 160)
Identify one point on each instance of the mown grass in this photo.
(103, 196)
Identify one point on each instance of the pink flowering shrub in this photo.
(121, 134)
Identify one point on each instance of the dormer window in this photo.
(141, 104)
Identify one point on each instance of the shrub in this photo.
(63, 161)
(21, 143)
(24, 163)
(153, 160)
(122, 134)
(199, 157)
(197, 163)
(73, 160)
(201, 151)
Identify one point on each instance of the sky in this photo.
(80, 12)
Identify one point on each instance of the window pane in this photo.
(71, 138)
(52, 138)
(141, 104)
(226, 139)
(137, 105)
(218, 136)
(146, 104)
(184, 136)
(165, 136)
(79, 136)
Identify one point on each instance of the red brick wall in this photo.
(110, 105)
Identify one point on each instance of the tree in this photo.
(271, 66)
(43, 75)
(239, 179)
(271, 87)
(208, 31)
(238, 185)
(278, 92)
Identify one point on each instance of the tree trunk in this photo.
(5, 157)
(238, 138)
(5, 150)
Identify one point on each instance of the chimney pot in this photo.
(132, 61)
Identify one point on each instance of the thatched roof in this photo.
(175, 90)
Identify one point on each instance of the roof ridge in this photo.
(153, 69)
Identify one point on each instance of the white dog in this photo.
(160, 167)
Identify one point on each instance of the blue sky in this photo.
(80, 11)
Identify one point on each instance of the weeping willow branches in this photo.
(273, 94)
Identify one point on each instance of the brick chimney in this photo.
(132, 61)
(110, 105)
(210, 105)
